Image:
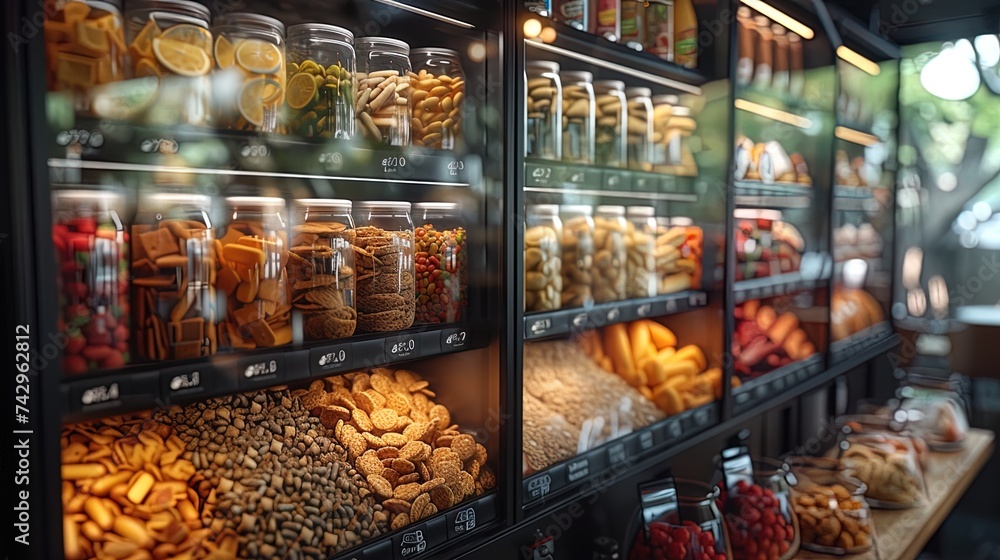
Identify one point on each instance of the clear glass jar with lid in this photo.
(577, 255)
(320, 98)
(659, 39)
(91, 242)
(679, 130)
(440, 261)
(578, 116)
(384, 265)
(542, 258)
(438, 95)
(170, 41)
(85, 47)
(174, 273)
(641, 245)
(663, 108)
(699, 529)
(320, 268)
(609, 128)
(610, 254)
(675, 263)
(543, 101)
(254, 246)
(249, 86)
(640, 128)
(383, 91)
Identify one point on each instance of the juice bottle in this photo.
(608, 19)
(685, 34)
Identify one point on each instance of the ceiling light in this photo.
(858, 60)
(532, 28)
(773, 114)
(951, 75)
(855, 136)
(782, 18)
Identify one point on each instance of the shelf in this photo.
(865, 338)
(777, 285)
(759, 389)
(100, 146)
(755, 194)
(598, 51)
(566, 321)
(155, 385)
(616, 456)
(557, 177)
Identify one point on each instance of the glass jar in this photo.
(760, 516)
(701, 533)
(320, 98)
(92, 247)
(610, 254)
(252, 279)
(640, 128)
(673, 270)
(249, 87)
(659, 39)
(438, 95)
(170, 41)
(936, 410)
(320, 268)
(84, 47)
(609, 132)
(542, 258)
(663, 108)
(383, 92)
(384, 264)
(679, 130)
(543, 95)
(578, 114)
(174, 272)
(833, 513)
(575, 13)
(641, 246)
(441, 263)
(889, 465)
(577, 255)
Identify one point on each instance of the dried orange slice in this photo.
(258, 56)
(225, 54)
(181, 58)
(301, 90)
(147, 67)
(255, 96)
(143, 42)
(75, 12)
(93, 38)
(190, 34)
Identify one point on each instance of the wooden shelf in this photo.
(902, 534)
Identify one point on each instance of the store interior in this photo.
(537, 279)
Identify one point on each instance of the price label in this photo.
(456, 167)
(644, 184)
(644, 310)
(539, 175)
(742, 398)
(83, 138)
(401, 347)
(186, 381)
(779, 384)
(454, 339)
(579, 320)
(614, 315)
(159, 146)
(668, 183)
(332, 160)
(701, 417)
(100, 394)
(333, 358)
(578, 469)
(539, 327)
(538, 486)
(261, 369)
(671, 306)
(616, 453)
(393, 164)
(646, 440)
(674, 430)
(253, 151)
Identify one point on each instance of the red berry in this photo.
(75, 344)
(73, 364)
(693, 527)
(779, 534)
(677, 551)
(768, 517)
(767, 533)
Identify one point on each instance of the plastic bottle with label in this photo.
(685, 34)
(608, 20)
(575, 13)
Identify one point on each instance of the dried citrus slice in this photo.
(143, 42)
(255, 96)
(91, 37)
(181, 58)
(147, 67)
(225, 54)
(258, 56)
(190, 34)
(75, 11)
(301, 90)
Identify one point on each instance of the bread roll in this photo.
(783, 327)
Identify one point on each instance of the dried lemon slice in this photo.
(93, 38)
(258, 56)
(301, 90)
(225, 54)
(143, 42)
(255, 96)
(190, 34)
(181, 58)
(147, 67)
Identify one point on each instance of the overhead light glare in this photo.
(773, 114)
(427, 13)
(855, 136)
(781, 18)
(858, 60)
(532, 28)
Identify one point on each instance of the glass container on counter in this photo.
(889, 465)
(254, 248)
(441, 263)
(659, 39)
(640, 243)
(610, 254)
(542, 258)
(92, 246)
(321, 66)
(543, 101)
(609, 128)
(249, 87)
(578, 116)
(383, 92)
(384, 264)
(640, 128)
(699, 534)
(438, 84)
(320, 268)
(833, 514)
(170, 41)
(174, 275)
(84, 47)
(577, 255)
(760, 516)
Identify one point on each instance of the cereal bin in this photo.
(542, 258)
(249, 85)
(384, 264)
(92, 245)
(438, 96)
(320, 99)
(174, 270)
(321, 268)
(84, 47)
(440, 262)
(382, 107)
(254, 247)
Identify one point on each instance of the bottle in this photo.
(608, 24)
(633, 24)
(572, 12)
(659, 38)
(685, 34)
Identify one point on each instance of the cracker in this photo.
(385, 418)
(409, 478)
(383, 384)
(361, 420)
(374, 442)
(388, 453)
(397, 402)
(369, 463)
(407, 492)
(397, 506)
(464, 446)
(395, 439)
(442, 497)
(400, 521)
(390, 475)
(415, 451)
(381, 486)
(417, 510)
(432, 484)
(440, 415)
(403, 466)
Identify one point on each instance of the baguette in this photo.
(616, 343)
(782, 327)
(766, 317)
(661, 335)
(750, 309)
(641, 341)
(668, 399)
(693, 353)
(657, 371)
(793, 344)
